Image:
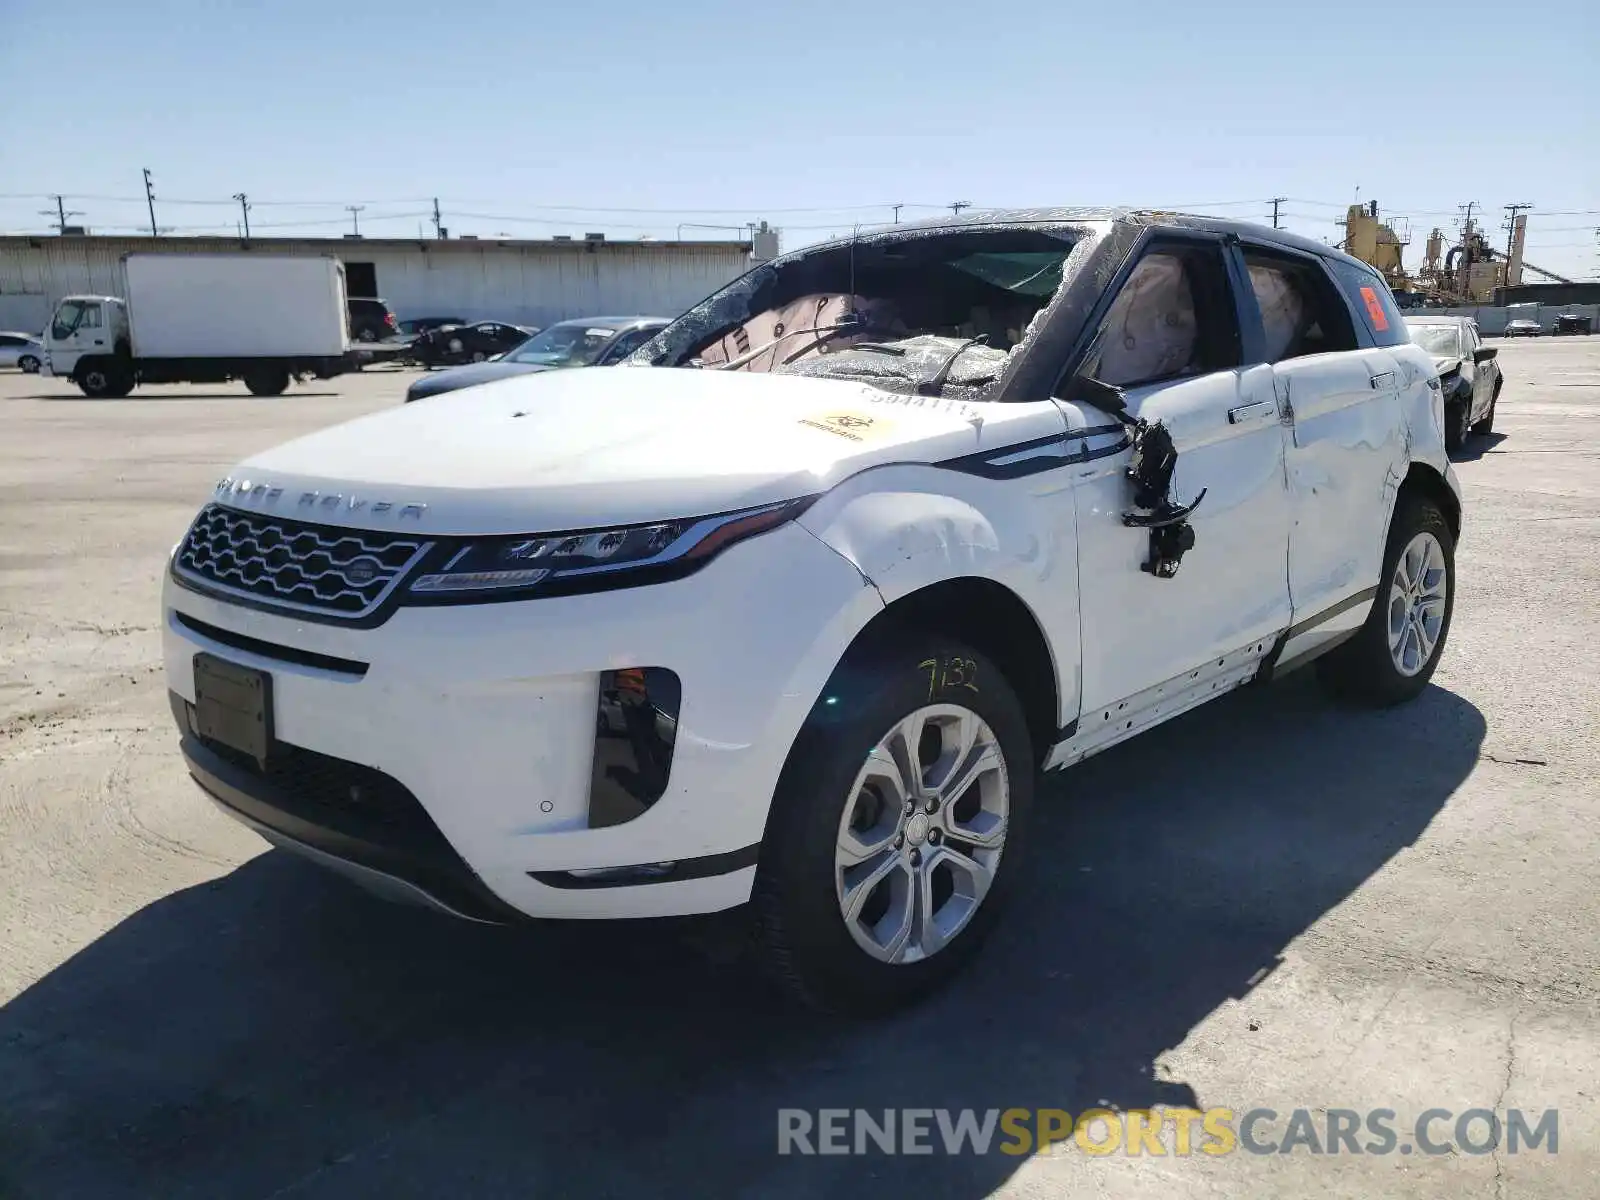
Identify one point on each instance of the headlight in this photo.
(591, 559)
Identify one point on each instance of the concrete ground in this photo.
(1270, 903)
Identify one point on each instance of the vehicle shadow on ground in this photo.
(1477, 446)
(296, 394)
(277, 1029)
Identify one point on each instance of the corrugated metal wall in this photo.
(531, 283)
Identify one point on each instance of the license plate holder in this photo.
(233, 705)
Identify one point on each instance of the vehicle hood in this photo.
(579, 448)
(459, 377)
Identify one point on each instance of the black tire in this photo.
(98, 382)
(802, 938)
(267, 383)
(1363, 670)
(1455, 426)
(29, 364)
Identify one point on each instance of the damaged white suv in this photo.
(789, 610)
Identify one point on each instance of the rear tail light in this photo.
(388, 319)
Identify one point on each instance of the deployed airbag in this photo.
(1151, 331)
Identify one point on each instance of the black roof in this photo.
(1155, 218)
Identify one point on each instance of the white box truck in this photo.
(206, 318)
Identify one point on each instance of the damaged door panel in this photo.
(1343, 442)
(1184, 535)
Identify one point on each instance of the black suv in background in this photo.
(371, 320)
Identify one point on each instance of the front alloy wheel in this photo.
(922, 834)
(897, 827)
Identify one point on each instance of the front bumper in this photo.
(485, 716)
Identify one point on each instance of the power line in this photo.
(62, 212)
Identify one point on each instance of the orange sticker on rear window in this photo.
(1375, 312)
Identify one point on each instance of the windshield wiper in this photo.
(932, 385)
(879, 348)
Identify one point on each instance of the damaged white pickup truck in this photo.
(788, 611)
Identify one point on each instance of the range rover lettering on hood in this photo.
(249, 491)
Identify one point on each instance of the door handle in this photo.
(1249, 412)
(1383, 379)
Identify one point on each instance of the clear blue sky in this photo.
(511, 110)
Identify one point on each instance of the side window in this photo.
(1473, 340)
(1301, 311)
(7, 340)
(1372, 302)
(1173, 318)
(68, 318)
(627, 344)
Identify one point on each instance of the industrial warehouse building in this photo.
(525, 282)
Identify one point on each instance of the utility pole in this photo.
(61, 213)
(1277, 200)
(1511, 222)
(897, 208)
(438, 229)
(355, 217)
(150, 199)
(244, 211)
(959, 205)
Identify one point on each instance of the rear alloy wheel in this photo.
(1393, 655)
(897, 827)
(29, 364)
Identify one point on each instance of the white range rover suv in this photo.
(789, 610)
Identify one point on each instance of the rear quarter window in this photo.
(1372, 302)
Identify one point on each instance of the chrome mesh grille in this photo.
(306, 567)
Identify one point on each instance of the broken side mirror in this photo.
(1484, 353)
(1084, 388)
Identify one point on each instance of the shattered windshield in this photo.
(1444, 340)
(909, 311)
